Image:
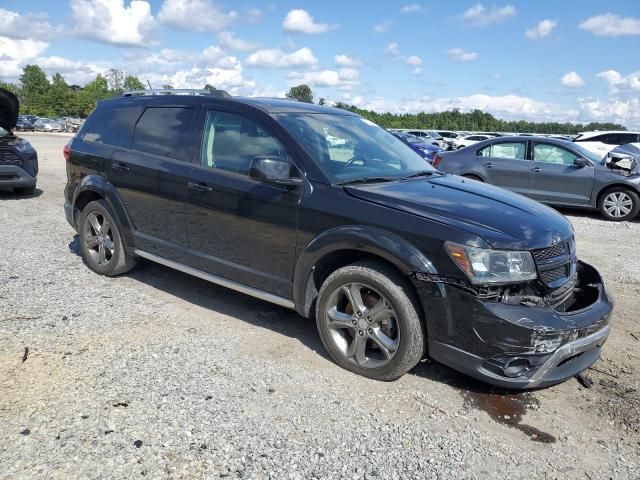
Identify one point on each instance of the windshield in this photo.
(365, 150)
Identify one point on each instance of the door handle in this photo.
(199, 187)
(122, 167)
(488, 165)
(536, 169)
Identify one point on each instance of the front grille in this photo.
(8, 156)
(550, 276)
(549, 252)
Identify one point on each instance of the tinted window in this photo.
(621, 138)
(507, 150)
(162, 131)
(111, 126)
(597, 138)
(544, 152)
(231, 142)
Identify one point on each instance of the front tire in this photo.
(101, 242)
(369, 322)
(619, 204)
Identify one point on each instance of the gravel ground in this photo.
(159, 374)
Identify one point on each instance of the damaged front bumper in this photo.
(521, 345)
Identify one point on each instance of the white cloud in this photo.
(541, 30)
(572, 80)
(275, 58)
(626, 112)
(345, 78)
(254, 14)
(611, 25)
(413, 61)
(412, 8)
(15, 53)
(392, 49)
(479, 15)
(300, 21)
(347, 61)
(74, 71)
(230, 41)
(109, 21)
(382, 27)
(29, 25)
(461, 55)
(195, 15)
(618, 83)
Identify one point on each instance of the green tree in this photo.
(321, 101)
(60, 96)
(34, 89)
(302, 93)
(132, 83)
(115, 78)
(91, 94)
(209, 87)
(167, 86)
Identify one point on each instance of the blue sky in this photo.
(543, 60)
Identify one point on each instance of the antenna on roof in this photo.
(149, 83)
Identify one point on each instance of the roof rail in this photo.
(177, 91)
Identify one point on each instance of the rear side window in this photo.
(163, 130)
(112, 125)
(506, 150)
(621, 138)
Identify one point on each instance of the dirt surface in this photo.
(156, 373)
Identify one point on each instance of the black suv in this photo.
(18, 159)
(320, 210)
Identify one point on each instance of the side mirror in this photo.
(581, 162)
(275, 170)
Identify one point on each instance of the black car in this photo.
(553, 171)
(18, 159)
(394, 259)
(23, 124)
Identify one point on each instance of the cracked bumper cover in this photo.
(519, 346)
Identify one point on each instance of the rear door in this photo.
(152, 177)
(505, 164)
(556, 179)
(239, 228)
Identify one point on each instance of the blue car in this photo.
(425, 150)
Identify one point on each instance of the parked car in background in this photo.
(552, 171)
(23, 124)
(602, 143)
(428, 136)
(72, 124)
(459, 143)
(392, 258)
(47, 125)
(425, 150)
(18, 158)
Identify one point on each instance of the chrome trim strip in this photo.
(254, 292)
(569, 350)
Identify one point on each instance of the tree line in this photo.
(56, 98)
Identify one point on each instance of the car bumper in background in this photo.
(14, 176)
(519, 346)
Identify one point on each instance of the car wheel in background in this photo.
(101, 242)
(619, 204)
(369, 322)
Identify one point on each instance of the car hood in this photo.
(502, 218)
(9, 106)
(428, 146)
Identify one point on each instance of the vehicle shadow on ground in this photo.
(8, 195)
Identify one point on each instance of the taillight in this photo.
(66, 151)
(436, 160)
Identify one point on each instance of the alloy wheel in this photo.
(98, 238)
(618, 204)
(362, 325)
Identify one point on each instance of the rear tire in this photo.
(369, 322)
(473, 177)
(619, 204)
(101, 242)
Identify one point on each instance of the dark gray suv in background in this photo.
(552, 171)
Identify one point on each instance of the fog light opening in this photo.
(517, 367)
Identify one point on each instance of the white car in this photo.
(459, 143)
(47, 125)
(603, 142)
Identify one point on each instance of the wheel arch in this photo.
(342, 246)
(606, 188)
(96, 187)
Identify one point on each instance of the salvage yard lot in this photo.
(157, 373)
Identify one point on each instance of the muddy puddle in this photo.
(508, 409)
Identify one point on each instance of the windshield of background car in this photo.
(365, 150)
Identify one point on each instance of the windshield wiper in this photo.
(422, 173)
(368, 180)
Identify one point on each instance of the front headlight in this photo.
(485, 265)
(24, 147)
